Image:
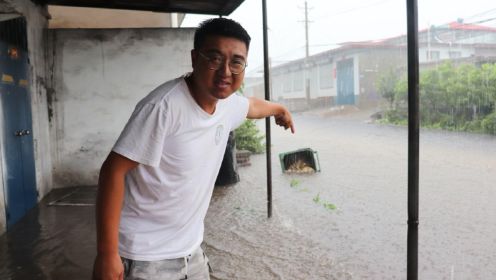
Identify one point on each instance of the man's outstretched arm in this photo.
(260, 108)
(108, 263)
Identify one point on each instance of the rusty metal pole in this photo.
(413, 140)
(267, 120)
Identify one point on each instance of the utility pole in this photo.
(306, 66)
(306, 31)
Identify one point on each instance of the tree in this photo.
(451, 97)
(386, 86)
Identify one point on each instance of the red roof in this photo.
(468, 26)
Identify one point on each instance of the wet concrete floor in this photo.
(52, 242)
(346, 222)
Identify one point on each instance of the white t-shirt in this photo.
(180, 149)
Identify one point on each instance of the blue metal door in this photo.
(21, 194)
(345, 83)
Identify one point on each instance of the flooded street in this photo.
(346, 222)
(349, 221)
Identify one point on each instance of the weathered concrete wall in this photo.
(99, 76)
(36, 17)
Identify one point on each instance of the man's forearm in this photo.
(108, 208)
(260, 108)
(109, 201)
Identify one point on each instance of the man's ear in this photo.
(194, 57)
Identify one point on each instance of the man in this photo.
(156, 184)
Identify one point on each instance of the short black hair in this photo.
(220, 27)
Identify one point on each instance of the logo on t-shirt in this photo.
(218, 134)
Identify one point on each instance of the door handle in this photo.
(20, 133)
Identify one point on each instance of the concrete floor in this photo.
(55, 240)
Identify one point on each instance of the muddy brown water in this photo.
(364, 176)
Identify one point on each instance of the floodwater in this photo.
(362, 233)
(52, 242)
(346, 222)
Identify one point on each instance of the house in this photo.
(348, 74)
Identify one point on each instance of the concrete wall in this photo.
(99, 76)
(36, 24)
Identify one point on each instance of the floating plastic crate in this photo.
(300, 161)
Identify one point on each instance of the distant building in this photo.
(254, 86)
(348, 75)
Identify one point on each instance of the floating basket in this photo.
(300, 161)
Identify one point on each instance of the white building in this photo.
(348, 75)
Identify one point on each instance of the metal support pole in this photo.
(267, 120)
(413, 140)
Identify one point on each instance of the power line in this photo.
(481, 21)
(355, 9)
(482, 13)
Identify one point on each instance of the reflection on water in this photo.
(51, 242)
(349, 221)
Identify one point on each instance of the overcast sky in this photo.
(335, 21)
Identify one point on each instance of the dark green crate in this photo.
(307, 155)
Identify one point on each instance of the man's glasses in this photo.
(216, 61)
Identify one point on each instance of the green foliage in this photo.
(248, 137)
(316, 199)
(401, 94)
(461, 98)
(475, 125)
(488, 124)
(386, 86)
(294, 183)
(327, 205)
(396, 116)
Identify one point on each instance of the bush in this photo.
(489, 124)
(445, 121)
(473, 126)
(458, 98)
(248, 137)
(396, 116)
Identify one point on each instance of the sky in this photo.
(332, 22)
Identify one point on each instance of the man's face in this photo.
(226, 51)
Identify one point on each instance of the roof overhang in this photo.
(211, 7)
